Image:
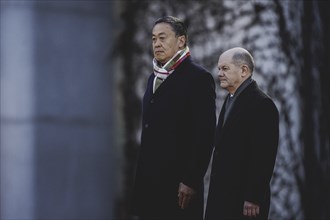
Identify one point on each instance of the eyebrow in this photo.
(222, 65)
(161, 33)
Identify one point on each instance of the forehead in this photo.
(225, 59)
(162, 28)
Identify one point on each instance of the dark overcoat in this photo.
(178, 128)
(244, 155)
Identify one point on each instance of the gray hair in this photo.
(243, 57)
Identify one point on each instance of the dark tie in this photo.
(228, 107)
(230, 100)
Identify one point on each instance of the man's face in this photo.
(164, 42)
(229, 74)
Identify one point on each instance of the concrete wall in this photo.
(58, 159)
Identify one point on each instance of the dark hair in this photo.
(243, 57)
(178, 26)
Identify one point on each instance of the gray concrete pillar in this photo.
(58, 159)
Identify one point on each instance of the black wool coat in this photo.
(244, 156)
(178, 128)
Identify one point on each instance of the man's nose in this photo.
(157, 43)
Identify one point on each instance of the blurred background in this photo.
(73, 73)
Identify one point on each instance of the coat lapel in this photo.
(148, 93)
(239, 106)
(164, 84)
(170, 78)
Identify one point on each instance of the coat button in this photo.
(146, 125)
(152, 101)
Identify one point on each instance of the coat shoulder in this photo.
(196, 71)
(264, 101)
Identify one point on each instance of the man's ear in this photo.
(182, 41)
(245, 70)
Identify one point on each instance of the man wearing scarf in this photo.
(178, 127)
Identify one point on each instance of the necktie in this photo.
(228, 108)
(230, 100)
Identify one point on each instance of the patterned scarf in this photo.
(163, 72)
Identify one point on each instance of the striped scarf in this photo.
(163, 72)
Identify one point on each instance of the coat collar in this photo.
(168, 80)
(242, 99)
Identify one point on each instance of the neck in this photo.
(161, 64)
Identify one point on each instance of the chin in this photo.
(223, 85)
(159, 59)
